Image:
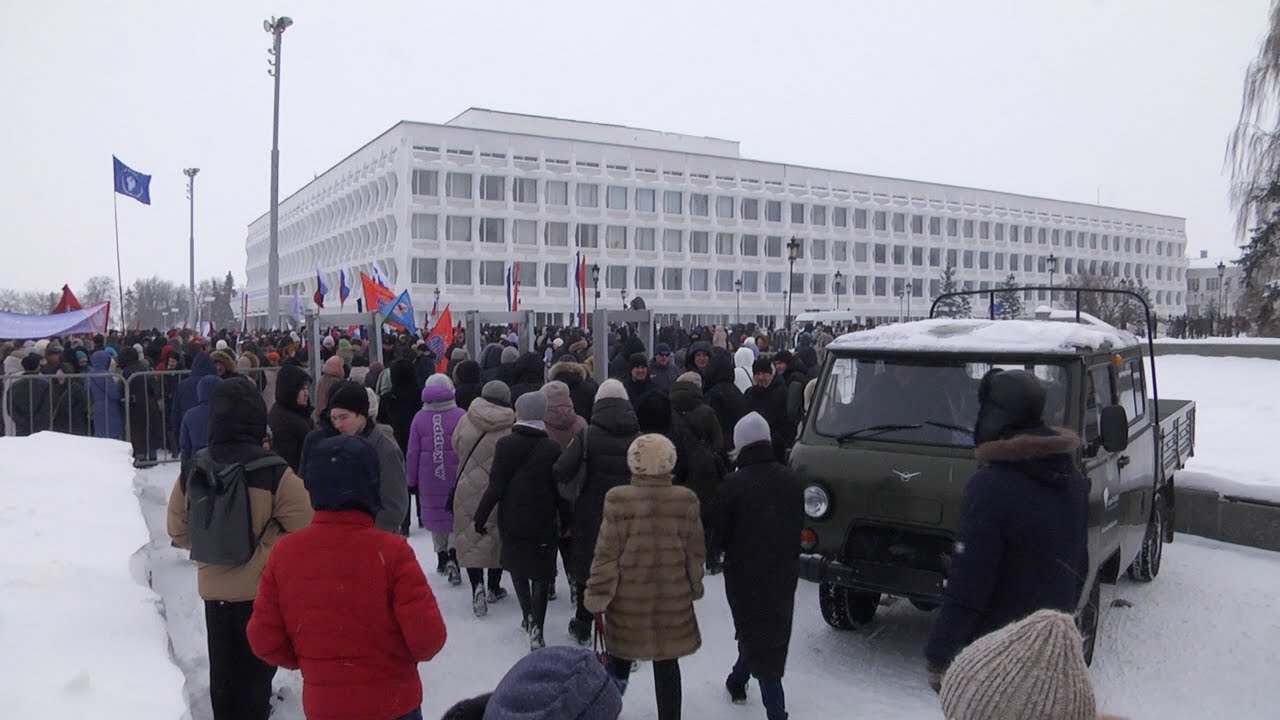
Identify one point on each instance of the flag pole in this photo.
(115, 216)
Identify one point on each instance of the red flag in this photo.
(374, 293)
(67, 303)
(515, 287)
(441, 338)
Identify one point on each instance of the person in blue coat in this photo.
(194, 435)
(106, 396)
(184, 397)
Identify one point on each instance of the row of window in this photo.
(458, 228)
(676, 202)
(466, 272)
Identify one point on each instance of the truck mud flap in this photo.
(874, 577)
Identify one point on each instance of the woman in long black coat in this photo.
(146, 423)
(290, 416)
(758, 517)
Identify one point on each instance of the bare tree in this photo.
(97, 289)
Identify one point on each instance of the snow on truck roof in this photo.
(1059, 335)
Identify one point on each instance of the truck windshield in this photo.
(924, 402)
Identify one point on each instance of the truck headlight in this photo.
(816, 501)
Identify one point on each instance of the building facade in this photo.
(1214, 287)
(683, 222)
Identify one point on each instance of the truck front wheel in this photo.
(1146, 566)
(846, 609)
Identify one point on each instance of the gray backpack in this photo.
(219, 516)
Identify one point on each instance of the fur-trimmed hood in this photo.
(1045, 454)
(570, 373)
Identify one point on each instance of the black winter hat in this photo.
(762, 364)
(1009, 401)
(237, 412)
(350, 396)
(342, 473)
(639, 360)
(785, 357)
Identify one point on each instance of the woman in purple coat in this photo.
(431, 465)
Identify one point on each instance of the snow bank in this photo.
(1219, 341)
(81, 632)
(994, 336)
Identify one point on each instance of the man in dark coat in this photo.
(758, 516)
(794, 378)
(606, 439)
(662, 370)
(700, 454)
(527, 374)
(184, 397)
(397, 408)
(768, 396)
(699, 356)
(522, 485)
(424, 364)
(30, 401)
(1023, 543)
(638, 383)
(290, 416)
(720, 392)
(143, 411)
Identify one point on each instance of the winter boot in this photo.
(580, 631)
(737, 692)
(496, 594)
(551, 592)
(442, 563)
(535, 638)
(478, 604)
(575, 594)
(451, 569)
(526, 622)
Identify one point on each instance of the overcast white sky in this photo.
(1132, 99)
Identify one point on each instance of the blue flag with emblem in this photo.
(131, 182)
(399, 313)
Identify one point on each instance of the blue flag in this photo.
(398, 313)
(131, 182)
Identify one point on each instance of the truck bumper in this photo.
(868, 576)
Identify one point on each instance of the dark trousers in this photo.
(532, 595)
(580, 613)
(771, 693)
(239, 683)
(415, 714)
(477, 576)
(666, 683)
(415, 500)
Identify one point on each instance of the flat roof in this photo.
(1026, 337)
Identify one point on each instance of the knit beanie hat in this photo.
(556, 683)
(690, 377)
(1030, 669)
(531, 406)
(752, 428)
(510, 355)
(651, 455)
(555, 389)
(497, 392)
(342, 473)
(220, 345)
(350, 396)
(611, 389)
(459, 355)
(639, 360)
(439, 379)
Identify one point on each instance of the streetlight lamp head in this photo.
(793, 248)
(737, 284)
(285, 22)
(1222, 269)
(190, 172)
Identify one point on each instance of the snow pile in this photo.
(1219, 341)
(994, 336)
(81, 632)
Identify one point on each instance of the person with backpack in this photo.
(345, 602)
(229, 509)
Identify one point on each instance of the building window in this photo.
(750, 209)
(1027, 263)
(881, 254)
(1014, 231)
(935, 257)
(615, 237)
(840, 216)
(698, 280)
(424, 227)
(724, 281)
(528, 273)
(968, 259)
(724, 243)
(984, 261)
(644, 278)
(699, 242)
(615, 277)
(880, 221)
(646, 238)
(615, 198)
(797, 284)
(750, 245)
(773, 210)
(699, 205)
(917, 224)
(525, 190)
(673, 241)
(935, 288)
(1093, 241)
(750, 281)
(556, 275)
(899, 223)
(952, 258)
(917, 256)
(797, 213)
(819, 249)
(424, 271)
(458, 185)
(672, 202)
(493, 273)
(524, 232)
(491, 231)
(999, 232)
(953, 227)
(881, 286)
(899, 255)
(493, 187)
(645, 200)
(588, 195)
(840, 251)
(968, 229)
(860, 252)
(800, 249)
(818, 284)
(984, 230)
(1069, 265)
(587, 235)
(818, 215)
(724, 206)
(935, 226)
(773, 247)
(999, 261)
(1044, 236)
(458, 229)
(557, 236)
(557, 192)
(457, 272)
(1070, 239)
(772, 282)
(860, 285)
(426, 182)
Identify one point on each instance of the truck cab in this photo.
(887, 447)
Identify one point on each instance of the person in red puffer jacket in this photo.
(346, 602)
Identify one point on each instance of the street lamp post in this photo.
(595, 281)
(624, 298)
(275, 26)
(1053, 270)
(737, 290)
(793, 250)
(1222, 273)
(191, 257)
(909, 290)
(839, 287)
(435, 304)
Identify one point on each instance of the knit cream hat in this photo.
(1030, 669)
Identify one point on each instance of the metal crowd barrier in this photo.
(138, 409)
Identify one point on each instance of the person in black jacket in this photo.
(527, 375)
(637, 382)
(466, 383)
(30, 399)
(758, 516)
(602, 445)
(1022, 544)
(397, 408)
(582, 388)
(720, 392)
(768, 396)
(522, 485)
(290, 416)
(143, 411)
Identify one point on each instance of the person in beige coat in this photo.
(475, 439)
(647, 571)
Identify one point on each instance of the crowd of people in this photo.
(295, 495)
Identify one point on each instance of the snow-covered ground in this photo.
(1202, 640)
(81, 635)
(1237, 413)
(1218, 341)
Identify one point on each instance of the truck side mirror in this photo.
(1115, 428)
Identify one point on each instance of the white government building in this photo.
(677, 220)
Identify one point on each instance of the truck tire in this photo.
(924, 605)
(846, 609)
(1146, 566)
(1087, 621)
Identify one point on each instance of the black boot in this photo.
(442, 562)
